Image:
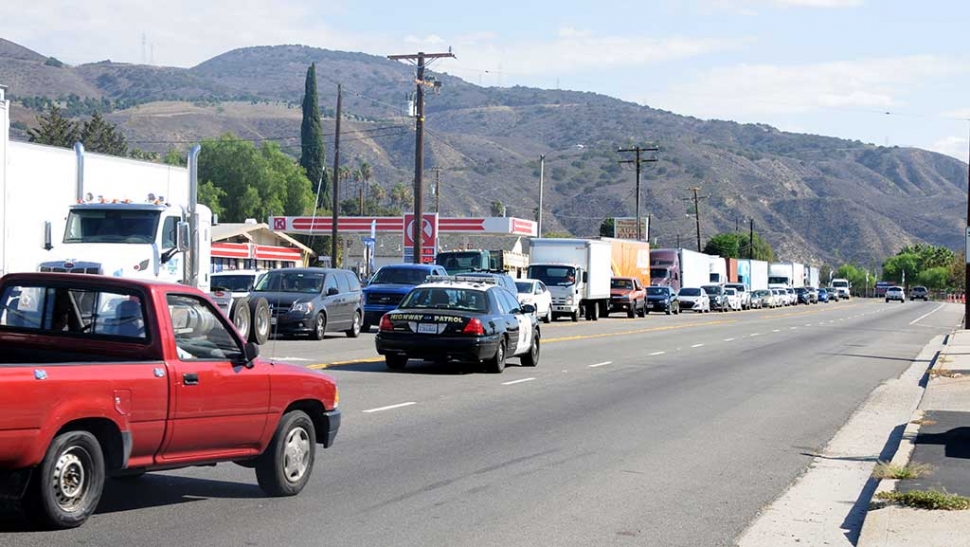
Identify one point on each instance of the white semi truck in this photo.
(577, 273)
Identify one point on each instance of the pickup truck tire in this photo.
(354, 330)
(531, 357)
(67, 485)
(319, 327)
(285, 467)
(632, 312)
(642, 312)
(496, 364)
(260, 330)
(241, 317)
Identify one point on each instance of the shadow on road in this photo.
(146, 492)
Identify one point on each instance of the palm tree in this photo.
(377, 192)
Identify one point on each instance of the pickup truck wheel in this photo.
(68, 484)
(531, 358)
(496, 364)
(241, 317)
(320, 327)
(642, 312)
(354, 330)
(395, 362)
(259, 332)
(632, 312)
(285, 467)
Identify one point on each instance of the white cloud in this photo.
(746, 91)
(960, 114)
(958, 147)
(748, 7)
(819, 3)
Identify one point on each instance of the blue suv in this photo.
(390, 285)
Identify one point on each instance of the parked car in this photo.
(802, 295)
(389, 285)
(919, 292)
(895, 293)
(695, 299)
(733, 298)
(662, 299)
(716, 294)
(792, 296)
(757, 300)
(812, 295)
(460, 319)
(627, 295)
(834, 294)
(313, 301)
(119, 376)
(823, 296)
(535, 292)
(743, 294)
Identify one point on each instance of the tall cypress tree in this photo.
(311, 137)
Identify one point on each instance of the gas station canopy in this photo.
(388, 225)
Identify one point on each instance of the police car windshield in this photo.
(399, 276)
(445, 298)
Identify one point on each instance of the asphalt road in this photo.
(657, 431)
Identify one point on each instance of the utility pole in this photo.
(437, 189)
(638, 150)
(361, 199)
(542, 173)
(751, 241)
(966, 279)
(420, 60)
(336, 180)
(697, 212)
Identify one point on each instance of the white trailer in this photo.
(812, 278)
(717, 268)
(780, 275)
(753, 273)
(577, 273)
(798, 276)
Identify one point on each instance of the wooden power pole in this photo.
(697, 212)
(637, 161)
(336, 181)
(420, 59)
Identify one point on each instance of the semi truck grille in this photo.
(56, 269)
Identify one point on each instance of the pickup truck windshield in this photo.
(559, 276)
(111, 226)
(457, 263)
(297, 282)
(399, 276)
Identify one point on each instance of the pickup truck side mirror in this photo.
(250, 353)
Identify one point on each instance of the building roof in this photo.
(222, 232)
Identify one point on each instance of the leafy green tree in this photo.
(174, 157)
(558, 235)
(855, 275)
(934, 278)
(313, 154)
(54, 129)
(100, 135)
(607, 227)
(401, 195)
(143, 155)
(737, 245)
(250, 182)
(893, 268)
(497, 209)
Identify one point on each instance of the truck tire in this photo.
(642, 312)
(354, 330)
(575, 316)
(260, 329)
(285, 467)
(319, 327)
(241, 317)
(496, 364)
(67, 485)
(531, 358)
(630, 313)
(395, 362)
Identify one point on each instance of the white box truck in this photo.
(577, 273)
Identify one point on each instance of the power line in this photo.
(638, 150)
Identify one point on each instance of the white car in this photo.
(733, 298)
(895, 293)
(535, 292)
(743, 293)
(694, 298)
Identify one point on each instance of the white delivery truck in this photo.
(577, 273)
(753, 273)
(843, 286)
(811, 276)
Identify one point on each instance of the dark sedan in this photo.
(662, 299)
(459, 320)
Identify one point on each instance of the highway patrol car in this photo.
(468, 319)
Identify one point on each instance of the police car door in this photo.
(524, 339)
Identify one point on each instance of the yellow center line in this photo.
(320, 366)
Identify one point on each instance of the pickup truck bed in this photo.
(106, 376)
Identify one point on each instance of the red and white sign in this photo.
(393, 225)
(429, 230)
(279, 223)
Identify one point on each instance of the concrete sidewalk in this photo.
(937, 435)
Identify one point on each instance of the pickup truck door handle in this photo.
(190, 379)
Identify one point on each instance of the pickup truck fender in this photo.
(111, 428)
(317, 399)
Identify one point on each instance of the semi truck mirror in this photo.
(585, 277)
(182, 237)
(48, 241)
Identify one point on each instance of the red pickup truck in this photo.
(103, 377)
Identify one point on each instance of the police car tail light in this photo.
(386, 324)
(474, 326)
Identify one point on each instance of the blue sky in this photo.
(880, 71)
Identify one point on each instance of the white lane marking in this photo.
(792, 328)
(808, 324)
(776, 330)
(697, 345)
(658, 353)
(603, 364)
(513, 382)
(391, 407)
(294, 359)
(729, 339)
(755, 334)
(920, 318)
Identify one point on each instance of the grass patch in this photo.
(886, 470)
(927, 499)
